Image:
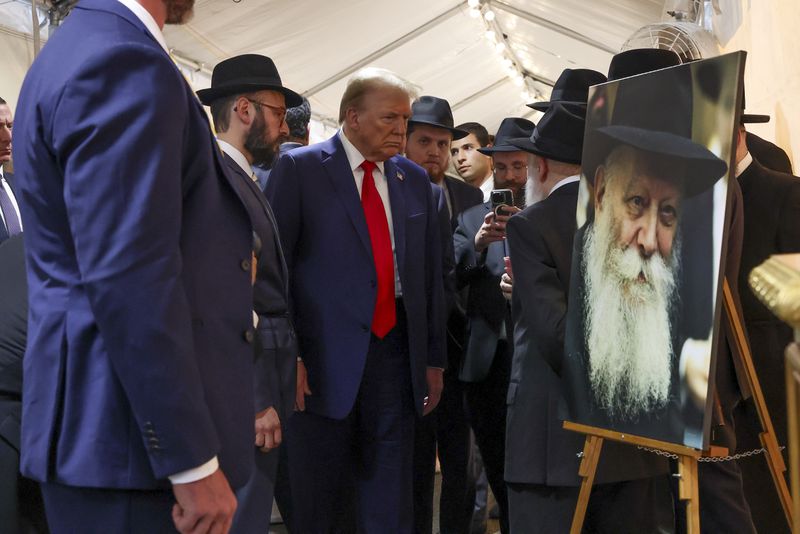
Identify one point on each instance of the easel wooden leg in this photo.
(588, 468)
(768, 438)
(689, 491)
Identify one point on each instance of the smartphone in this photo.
(500, 198)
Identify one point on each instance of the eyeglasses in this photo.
(498, 169)
(280, 113)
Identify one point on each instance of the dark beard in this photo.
(258, 143)
(179, 11)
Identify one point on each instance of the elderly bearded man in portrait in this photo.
(622, 343)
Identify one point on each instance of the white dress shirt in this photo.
(4, 185)
(355, 159)
(486, 188)
(208, 468)
(742, 165)
(564, 181)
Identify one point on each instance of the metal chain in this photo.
(714, 459)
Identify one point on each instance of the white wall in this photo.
(17, 56)
(769, 33)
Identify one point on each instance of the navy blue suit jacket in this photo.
(332, 273)
(139, 357)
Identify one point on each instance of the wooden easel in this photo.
(687, 469)
(687, 456)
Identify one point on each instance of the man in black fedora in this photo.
(541, 457)
(428, 138)
(248, 104)
(480, 252)
(572, 86)
(771, 201)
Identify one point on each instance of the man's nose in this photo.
(5, 134)
(647, 236)
(284, 128)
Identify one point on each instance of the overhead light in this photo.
(490, 35)
(473, 3)
(489, 15)
(507, 62)
(474, 13)
(500, 47)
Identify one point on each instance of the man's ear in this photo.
(544, 170)
(242, 110)
(599, 186)
(351, 118)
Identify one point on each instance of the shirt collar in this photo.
(354, 157)
(236, 156)
(147, 19)
(565, 181)
(742, 165)
(486, 188)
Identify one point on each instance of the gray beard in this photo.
(628, 331)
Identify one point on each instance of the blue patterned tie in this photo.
(9, 213)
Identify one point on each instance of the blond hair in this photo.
(371, 79)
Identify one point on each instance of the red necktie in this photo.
(384, 317)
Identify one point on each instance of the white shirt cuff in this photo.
(193, 475)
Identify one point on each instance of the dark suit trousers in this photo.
(631, 507)
(21, 507)
(486, 408)
(723, 507)
(370, 450)
(254, 499)
(445, 430)
(101, 511)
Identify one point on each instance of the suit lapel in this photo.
(336, 165)
(397, 199)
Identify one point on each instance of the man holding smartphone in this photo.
(480, 254)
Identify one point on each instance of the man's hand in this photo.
(493, 228)
(435, 380)
(696, 361)
(204, 506)
(507, 280)
(268, 429)
(302, 387)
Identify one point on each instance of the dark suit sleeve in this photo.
(789, 224)
(120, 149)
(437, 305)
(539, 299)
(448, 256)
(283, 194)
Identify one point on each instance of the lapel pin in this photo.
(400, 176)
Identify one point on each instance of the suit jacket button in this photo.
(248, 336)
(245, 265)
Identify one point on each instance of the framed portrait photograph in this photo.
(645, 304)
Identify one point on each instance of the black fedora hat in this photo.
(245, 74)
(641, 60)
(752, 118)
(510, 128)
(435, 111)
(572, 86)
(559, 134)
(654, 114)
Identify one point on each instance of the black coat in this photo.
(3, 230)
(772, 226)
(486, 309)
(768, 154)
(538, 449)
(275, 365)
(462, 196)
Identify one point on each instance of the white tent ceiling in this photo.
(437, 44)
